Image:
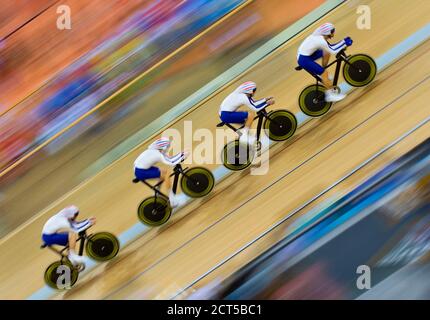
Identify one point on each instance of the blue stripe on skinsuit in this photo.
(81, 225)
(171, 158)
(336, 45)
(259, 105)
(86, 221)
(174, 158)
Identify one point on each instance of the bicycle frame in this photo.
(177, 171)
(154, 187)
(261, 114)
(82, 237)
(340, 57)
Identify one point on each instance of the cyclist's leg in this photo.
(61, 239)
(322, 72)
(72, 241)
(239, 117)
(325, 59)
(245, 135)
(152, 173)
(250, 119)
(326, 80)
(64, 239)
(73, 254)
(242, 117)
(308, 63)
(167, 183)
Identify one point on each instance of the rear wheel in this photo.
(197, 182)
(154, 211)
(61, 275)
(360, 70)
(280, 125)
(102, 246)
(312, 101)
(237, 156)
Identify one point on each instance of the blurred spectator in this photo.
(151, 33)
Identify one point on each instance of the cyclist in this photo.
(316, 46)
(243, 96)
(63, 229)
(145, 166)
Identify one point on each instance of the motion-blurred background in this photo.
(74, 101)
(51, 78)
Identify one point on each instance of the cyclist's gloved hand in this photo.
(92, 220)
(348, 41)
(184, 155)
(270, 101)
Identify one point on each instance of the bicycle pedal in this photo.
(258, 146)
(80, 267)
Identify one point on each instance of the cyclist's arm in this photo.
(80, 226)
(63, 225)
(254, 105)
(332, 48)
(172, 161)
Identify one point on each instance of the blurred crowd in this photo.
(145, 37)
(66, 74)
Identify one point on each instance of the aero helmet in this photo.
(325, 30)
(247, 88)
(160, 144)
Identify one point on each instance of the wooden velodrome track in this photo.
(168, 259)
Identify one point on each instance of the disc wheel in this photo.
(197, 182)
(237, 156)
(102, 246)
(360, 71)
(312, 101)
(62, 269)
(154, 211)
(280, 125)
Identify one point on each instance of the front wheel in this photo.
(312, 101)
(61, 275)
(102, 246)
(237, 156)
(280, 125)
(197, 182)
(360, 70)
(154, 211)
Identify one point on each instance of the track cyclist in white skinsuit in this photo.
(315, 47)
(63, 229)
(243, 96)
(144, 166)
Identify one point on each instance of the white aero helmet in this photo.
(247, 87)
(160, 144)
(325, 29)
(70, 212)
